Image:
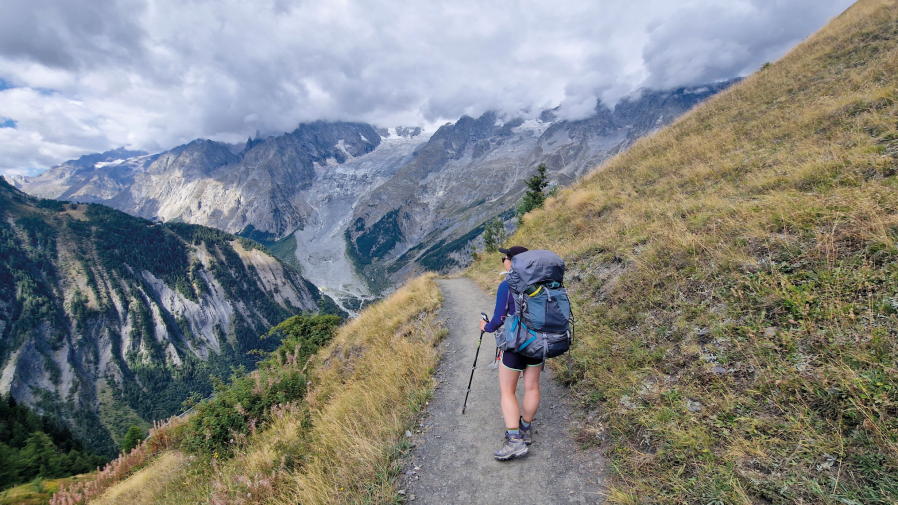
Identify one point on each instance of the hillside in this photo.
(735, 282)
(108, 321)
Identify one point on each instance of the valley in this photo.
(109, 321)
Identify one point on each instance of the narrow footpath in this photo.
(452, 461)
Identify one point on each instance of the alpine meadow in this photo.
(735, 284)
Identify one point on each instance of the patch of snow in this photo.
(101, 164)
(533, 126)
(341, 145)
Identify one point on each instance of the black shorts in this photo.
(515, 361)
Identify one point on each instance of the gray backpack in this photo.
(541, 325)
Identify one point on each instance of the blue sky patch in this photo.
(9, 123)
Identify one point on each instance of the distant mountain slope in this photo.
(204, 182)
(93, 177)
(108, 320)
(404, 199)
(475, 169)
(735, 285)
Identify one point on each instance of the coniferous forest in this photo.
(33, 446)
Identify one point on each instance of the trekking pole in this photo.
(476, 354)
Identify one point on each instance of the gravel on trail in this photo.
(452, 458)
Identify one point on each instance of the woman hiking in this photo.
(517, 426)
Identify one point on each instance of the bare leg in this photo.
(508, 383)
(531, 393)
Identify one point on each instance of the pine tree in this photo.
(132, 439)
(494, 235)
(9, 468)
(535, 195)
(39, 458)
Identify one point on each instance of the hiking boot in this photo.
(514, 447)
(525, 432)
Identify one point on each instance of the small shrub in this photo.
(224, 423)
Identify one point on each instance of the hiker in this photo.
(517, 426)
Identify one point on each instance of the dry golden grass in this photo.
(148, 484)
(365, 388)
(171, 478)
(93, 486)
(369, 384)
(745, 260)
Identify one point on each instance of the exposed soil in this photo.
(452, 461)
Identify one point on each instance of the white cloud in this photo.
(89, 75)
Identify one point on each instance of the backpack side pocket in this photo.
(557, 311)
(505, 339)
(536, 308)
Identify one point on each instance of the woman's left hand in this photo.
(482, 325)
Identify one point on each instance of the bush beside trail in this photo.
(240, 408)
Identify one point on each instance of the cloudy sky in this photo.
(83, 76)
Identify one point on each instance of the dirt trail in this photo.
(452, 461)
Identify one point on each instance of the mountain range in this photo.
(356, 207)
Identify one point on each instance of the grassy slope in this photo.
(735, 278)
(38, 491)
(365, 388)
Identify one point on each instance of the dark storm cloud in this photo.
(88, 75)
(69, 33)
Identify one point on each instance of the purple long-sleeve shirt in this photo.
(504, 308)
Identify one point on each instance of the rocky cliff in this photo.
(108, 320)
